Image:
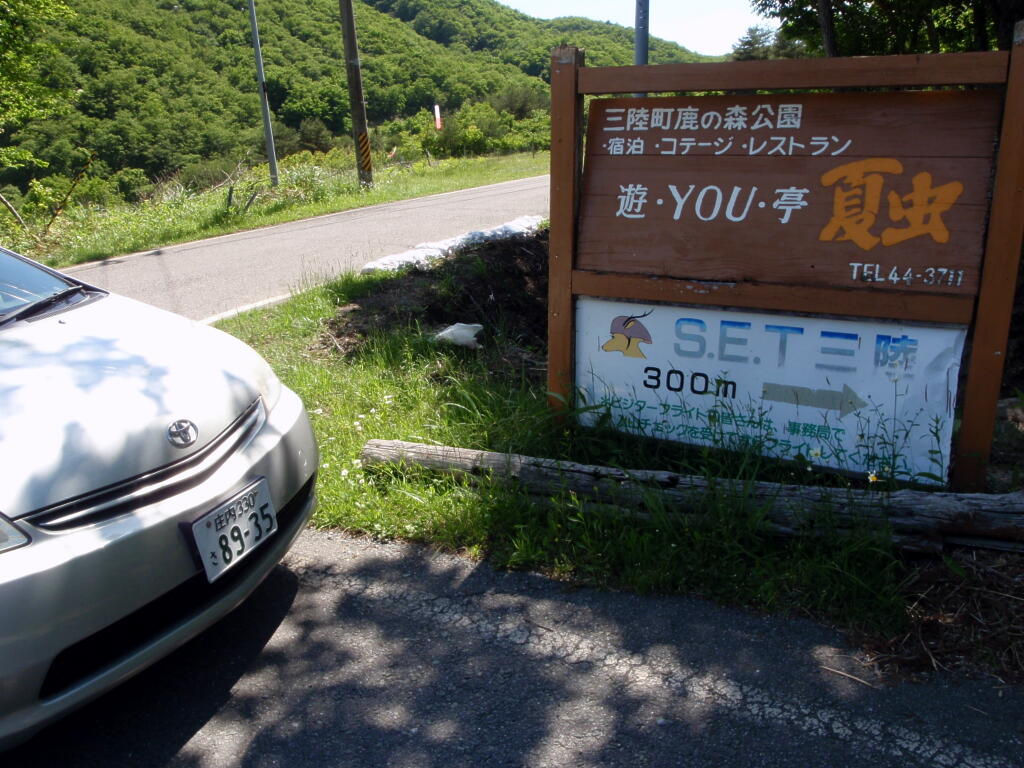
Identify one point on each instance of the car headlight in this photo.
(245, 358)
(10, 537)
(267, 383)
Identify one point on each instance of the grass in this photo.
(88, 233)
(396, 383)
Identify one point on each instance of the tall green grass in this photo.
(402, 385)
(308, 187)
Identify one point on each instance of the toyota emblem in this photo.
(182, 433)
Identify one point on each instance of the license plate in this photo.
(226, 536)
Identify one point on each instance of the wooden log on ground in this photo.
(919, 520)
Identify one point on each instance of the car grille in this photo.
(137, 630)
(151, 487)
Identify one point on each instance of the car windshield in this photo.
(23, 283)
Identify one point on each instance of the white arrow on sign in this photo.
(847, 401)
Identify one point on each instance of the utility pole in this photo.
(261, 82)
(641, 30)
(640, 39)
(355, 94)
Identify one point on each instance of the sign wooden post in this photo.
(802, 268)
(566, 124)
(998, 284)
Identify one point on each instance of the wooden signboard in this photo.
(880, 229)
(842, 190)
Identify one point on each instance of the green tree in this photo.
(865, 27)
(520, 99)
(23, 93)
(765, 43)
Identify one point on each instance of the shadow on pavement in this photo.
(357, 653)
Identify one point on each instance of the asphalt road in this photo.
(209, 277)
(358, 653)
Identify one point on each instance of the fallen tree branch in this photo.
(919, 520)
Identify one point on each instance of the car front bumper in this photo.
(82, 610)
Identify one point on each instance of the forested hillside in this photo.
(155, 86)
(525, 42)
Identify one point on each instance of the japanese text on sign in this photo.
(863, 396)
(856, 204)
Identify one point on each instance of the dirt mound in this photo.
(500, 284)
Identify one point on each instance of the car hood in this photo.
(87, 395)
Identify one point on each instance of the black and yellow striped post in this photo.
(355, 94)
(363, 159)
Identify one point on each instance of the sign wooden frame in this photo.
(987, 313)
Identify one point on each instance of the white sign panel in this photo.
(855, 395)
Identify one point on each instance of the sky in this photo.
(703, 26)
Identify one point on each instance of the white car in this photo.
(152, 472)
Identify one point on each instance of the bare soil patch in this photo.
(965, 614)
(500, 284)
